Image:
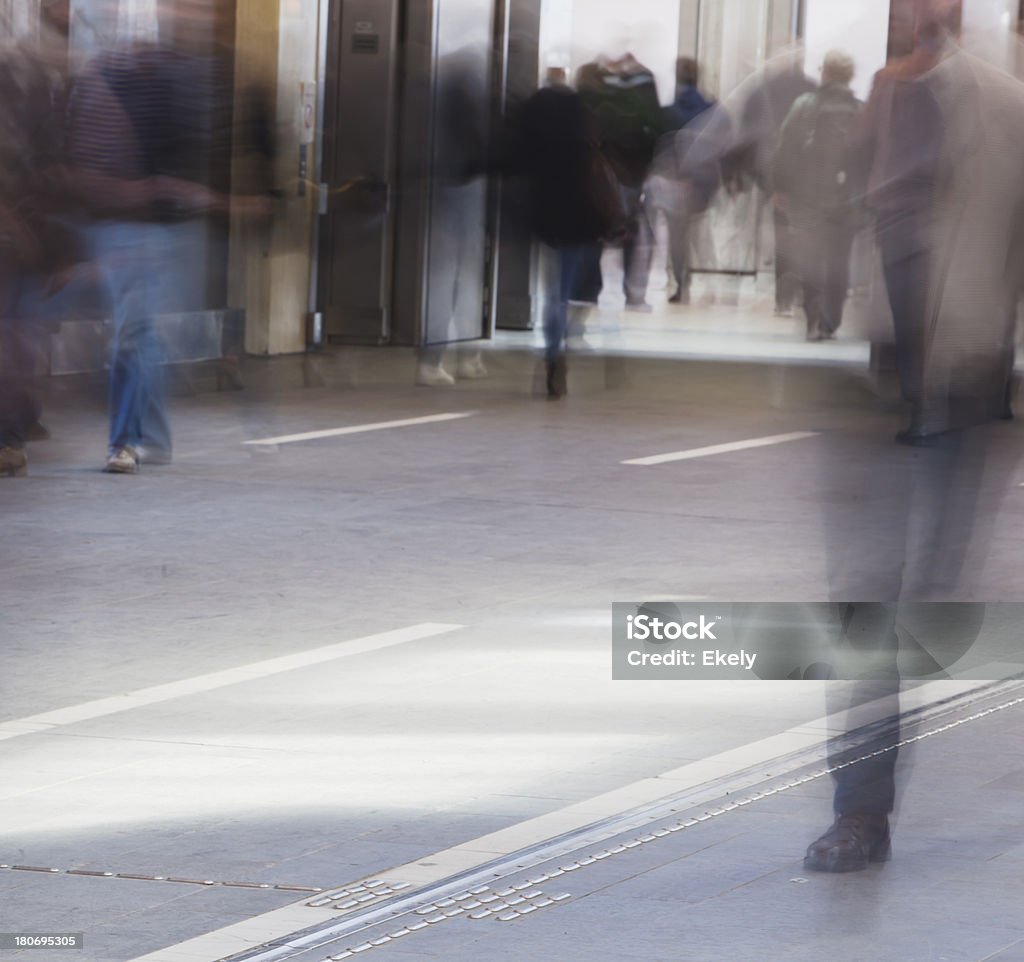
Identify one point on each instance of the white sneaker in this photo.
(471, 368)
(122, 461)
(433, 375)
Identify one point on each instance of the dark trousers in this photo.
(786, 279)
(560, 269)
(866, 657)
(19, 402)
(824, 243)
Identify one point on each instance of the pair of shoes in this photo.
(13, 462)
(122, 461)
(680, 297)
(850, 844)
(638, 307)
(433, 375)
(471, 368)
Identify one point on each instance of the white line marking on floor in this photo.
(46, 721)
(723, 448)
(279, 924)
(362, 428)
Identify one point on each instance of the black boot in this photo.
(556, 378)
(850, 844)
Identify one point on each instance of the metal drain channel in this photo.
(146, 877)
(353, 931)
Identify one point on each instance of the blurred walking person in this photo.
(623, 98)
(573, 202)
(812, 178)
(146, 128)
(36, 246)
(686, 174)
(917, 524)
(760, 119)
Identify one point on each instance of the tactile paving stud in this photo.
(482, 915)
(508, 916)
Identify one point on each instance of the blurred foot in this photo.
(850, 844)
(122, 461)
(680, 297)
(151, 454)
(783, 311)
(37, 432)
(916, 437)
(433, 375)
(556, 378)
(471, 368)
(13, 463)
(638, 307)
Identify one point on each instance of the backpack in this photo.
(824, 164)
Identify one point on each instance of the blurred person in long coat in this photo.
(911, 524)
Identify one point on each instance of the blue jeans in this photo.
(560, 268)
(135, 263)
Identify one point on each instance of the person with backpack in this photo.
(813, 182)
